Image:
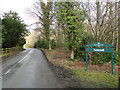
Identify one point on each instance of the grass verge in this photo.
(106, 79)
(101, 78)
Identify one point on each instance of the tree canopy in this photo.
(72, 17)
(13, 30)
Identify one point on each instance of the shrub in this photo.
(80, 50)
(44, 44)
(53, 44)
(70, 59)
(98, 57)
(41, 44)
(101, 58)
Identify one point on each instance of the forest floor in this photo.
(74, 75)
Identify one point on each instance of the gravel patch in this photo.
(65, 75)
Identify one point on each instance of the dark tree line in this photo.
(13, 30)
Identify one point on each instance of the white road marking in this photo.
(22, 59)
(17, 64)
(8, 71)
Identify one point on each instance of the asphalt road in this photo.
(28, 69)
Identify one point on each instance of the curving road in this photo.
(28, 69)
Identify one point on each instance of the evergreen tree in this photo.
(72, 17)
(13, 31)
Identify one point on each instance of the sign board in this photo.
(99, 44)
(99, 47)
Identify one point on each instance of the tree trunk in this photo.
(118, 28)
(110, 18)
(98, 21)
(72, 53)
(49, 45)
(116, 23)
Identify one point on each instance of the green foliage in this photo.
(100, 78)
(1, 33)
(44, 15)
(13, 30)
(75, 27)
(4, 32)
(115, 58)
(71, 15)
(80, 50)
(70, 59)
(86, 39)
(119, 53)
(102, 58)
(49, 50)
(53, 44)
(21, 42)
(41, 43)
(80, 55)
(97, 58)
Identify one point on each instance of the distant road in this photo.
(28, 69)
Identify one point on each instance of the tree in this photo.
(104, 26)
(43, 13)
(71, 16)
(4, 32)
(13, 31)
(1, 33)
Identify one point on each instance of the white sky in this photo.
(20, 7)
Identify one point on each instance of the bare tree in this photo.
(102, 21)
(43, 13)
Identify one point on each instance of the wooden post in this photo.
(86, 60)
(112, 62)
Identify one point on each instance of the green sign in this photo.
(99, 44)
(99, 47)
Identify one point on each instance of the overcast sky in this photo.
(20, 7)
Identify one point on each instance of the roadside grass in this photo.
(92, 76)
(6, 54)
(49, 50)
(104, 78)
